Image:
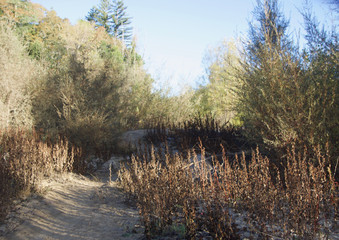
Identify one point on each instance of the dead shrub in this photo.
(24, 160)
(191, 191)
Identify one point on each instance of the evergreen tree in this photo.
(269, 92)
(269, 35)
(111, 14)
(101, 15)
(322, 60)
(121, 21)
(287, 96)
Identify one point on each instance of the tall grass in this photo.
(25, 159)
(204, 196)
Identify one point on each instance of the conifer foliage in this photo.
(284, 96)
(111, 14)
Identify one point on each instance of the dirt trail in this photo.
(75, 207)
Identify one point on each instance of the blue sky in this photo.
(173, 35)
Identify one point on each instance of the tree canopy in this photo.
(112, 15)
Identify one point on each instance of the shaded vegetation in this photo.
(212, 134)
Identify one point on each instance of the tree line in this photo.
(280, 92)
(87, 82)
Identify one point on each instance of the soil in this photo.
(71, 206)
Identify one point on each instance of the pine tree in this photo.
(101, 15)
(121, 21)
(111, 14)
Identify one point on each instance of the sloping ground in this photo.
(75, 207)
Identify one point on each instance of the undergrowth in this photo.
(224, 199)
(25, 159)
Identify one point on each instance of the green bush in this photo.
(286, 95)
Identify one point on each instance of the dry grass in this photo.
(171, 190)
(24, 160)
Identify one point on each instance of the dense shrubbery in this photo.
(287, 96)
(278, 91)
(64, 81)
(17, 72)
(70, 80)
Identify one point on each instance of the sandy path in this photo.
(75, 207)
